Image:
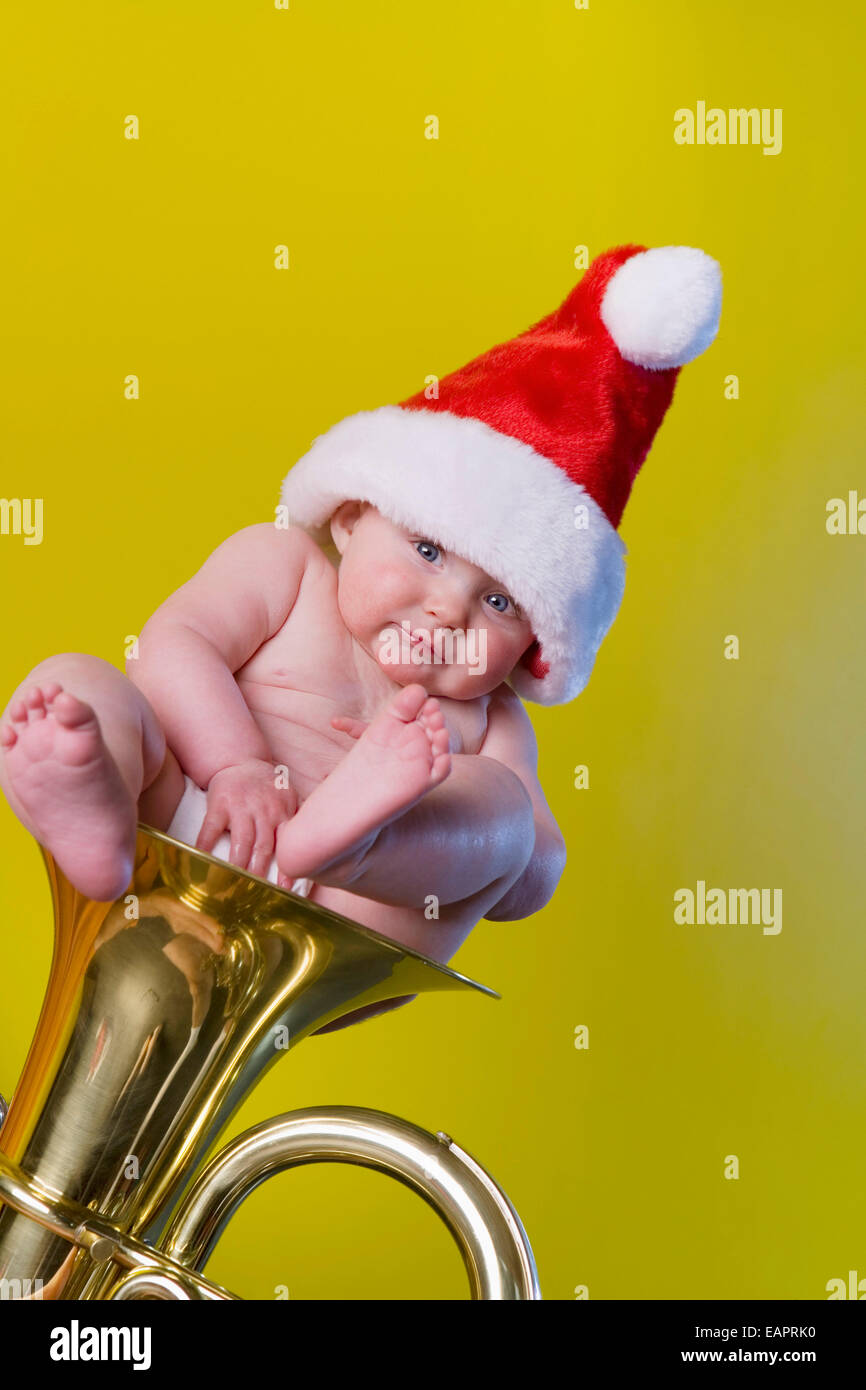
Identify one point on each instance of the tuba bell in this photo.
(163, 1009)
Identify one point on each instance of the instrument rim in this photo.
(344, 921)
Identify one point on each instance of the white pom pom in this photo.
(662, 306)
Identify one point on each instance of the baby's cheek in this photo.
(385, 588)
(360, 584)
(502, 654)
(389, 574)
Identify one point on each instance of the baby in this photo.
(354, 731)
(270, 658)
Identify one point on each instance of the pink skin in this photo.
(243, 797)
(71, 788)
(389, 574)
(70, 785)
(400, 755)
(80, 805)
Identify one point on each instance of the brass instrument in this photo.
(163, 1010)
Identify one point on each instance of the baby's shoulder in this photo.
(278, 558)
(495, 724)
(508, 727)
(263, 536)
(466, 721)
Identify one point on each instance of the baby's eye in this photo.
(504, 602)
(423, 546)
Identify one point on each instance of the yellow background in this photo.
(409, 256)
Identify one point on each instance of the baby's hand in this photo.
(244, 800)
(353, 727)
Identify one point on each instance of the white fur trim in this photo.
(662, 306)
(494, 501)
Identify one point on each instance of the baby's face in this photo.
(423, 613)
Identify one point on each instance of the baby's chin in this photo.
(453, 684)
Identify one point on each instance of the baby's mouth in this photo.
(418, 636)
(420, 639)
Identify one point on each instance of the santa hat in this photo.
(525, 460)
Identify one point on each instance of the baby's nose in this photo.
(447, 607)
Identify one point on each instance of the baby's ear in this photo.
(344, 521)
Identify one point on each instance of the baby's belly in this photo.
(297, 727)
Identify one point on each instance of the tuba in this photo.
(163, 1009)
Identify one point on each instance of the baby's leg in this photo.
(78, 745)
(438, 937)
(402, 755)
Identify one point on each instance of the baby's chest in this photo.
(305, 669)
(297, 721)
(308, 672)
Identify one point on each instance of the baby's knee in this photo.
(73, 664)
(66, 668)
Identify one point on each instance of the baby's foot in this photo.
(70, 788)
(400, 756)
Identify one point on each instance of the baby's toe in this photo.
(407, 703)
(35, 701)
(69, 710)
(18, 712)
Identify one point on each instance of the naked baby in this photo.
(298, 713)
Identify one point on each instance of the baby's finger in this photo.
(213, 825)
(263, 849)
(243, 836)
(353, 727)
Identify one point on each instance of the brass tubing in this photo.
(485, 1226)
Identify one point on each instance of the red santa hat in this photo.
(525, 460)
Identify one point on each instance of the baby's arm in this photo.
(467, 834)
(204, 632)
(510, 739)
